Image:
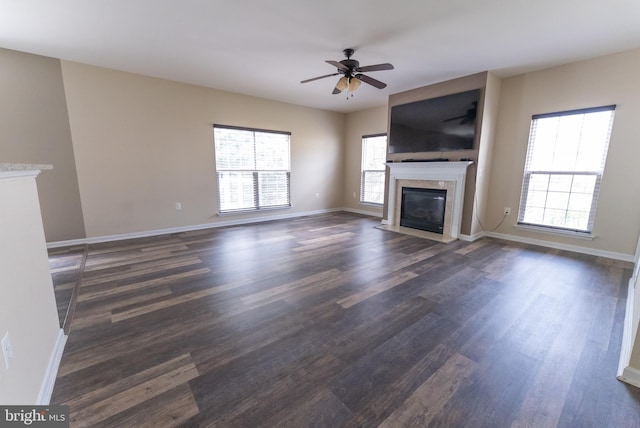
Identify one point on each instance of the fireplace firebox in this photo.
(423, 209)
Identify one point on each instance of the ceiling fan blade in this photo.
(338, 65)
(377, 67)
(319, 77)
(371, 81)
(455, 118)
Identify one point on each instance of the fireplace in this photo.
(423, 209)
(448, 178)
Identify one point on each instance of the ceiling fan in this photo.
(352, 73)
(469, 116)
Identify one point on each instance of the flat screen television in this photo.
(439, 124)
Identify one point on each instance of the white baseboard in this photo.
(471, 238)
(558, 246)
(68, 243)
(630, 376)
(156, 232)
(363, 212)
(46, 389)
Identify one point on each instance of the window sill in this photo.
(587, 236)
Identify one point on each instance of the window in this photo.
(374, 155)
(564, 166)
(253, 168)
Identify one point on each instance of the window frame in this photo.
(597, 174)
(363, 171)
(255, 173)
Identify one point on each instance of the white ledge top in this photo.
(24, 167)
(430, 164)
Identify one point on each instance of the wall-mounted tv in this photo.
(435, 125)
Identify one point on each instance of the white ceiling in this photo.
(266, 47)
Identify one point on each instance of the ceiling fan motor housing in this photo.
(351, 64)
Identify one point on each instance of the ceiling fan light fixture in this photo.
(354, 84)
(342, 84)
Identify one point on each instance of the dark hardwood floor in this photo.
(326, 321)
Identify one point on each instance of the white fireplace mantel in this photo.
(451, 173)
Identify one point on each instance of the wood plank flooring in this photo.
(326, 321)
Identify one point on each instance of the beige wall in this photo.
(142, 144)
(27, 305)
(612, 79)
(491, 102)
(366, 122)
(34, 128)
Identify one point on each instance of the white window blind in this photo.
(374, 155)
(253, 168)
(565, 162)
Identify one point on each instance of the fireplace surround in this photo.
(443, 176)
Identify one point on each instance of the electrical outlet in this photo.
(7, 350)
(317, 195)
(507, 211)
(178, 206)
(354, 195)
